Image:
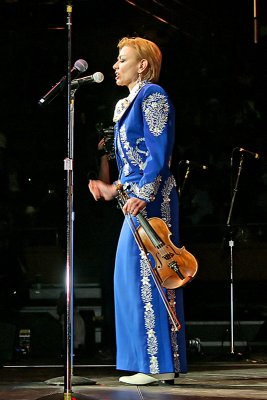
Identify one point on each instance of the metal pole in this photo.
(68, 166)
(231, 245)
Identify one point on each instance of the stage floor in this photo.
(209, 380)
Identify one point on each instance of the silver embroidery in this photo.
(165, 206)
(156, 109)
(148, 191)
(132, 153)
(166, 216)
(149, 315)
(126, 166)
(175, 348)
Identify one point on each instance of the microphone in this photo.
(97, 77)
(255, 155)
(193, 163)
(80, 66)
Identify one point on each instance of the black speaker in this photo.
(41, 334)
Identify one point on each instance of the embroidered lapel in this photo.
(123, 104)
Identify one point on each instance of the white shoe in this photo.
(138, 379)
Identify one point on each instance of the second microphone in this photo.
(97, 77)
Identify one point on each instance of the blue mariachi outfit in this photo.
(144, 138)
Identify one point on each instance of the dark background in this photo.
(216, 76)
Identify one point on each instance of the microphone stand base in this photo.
(67, 396)
(76, 380)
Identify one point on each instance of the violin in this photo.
(174, 266)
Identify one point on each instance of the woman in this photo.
(144, 136)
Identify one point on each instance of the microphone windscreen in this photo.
(81, 65)
(98, 77)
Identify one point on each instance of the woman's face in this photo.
(127, 67)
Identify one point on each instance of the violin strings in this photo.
(159, 246)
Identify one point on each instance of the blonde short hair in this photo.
(148, 50)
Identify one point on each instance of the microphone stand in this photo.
(68, 167)
(231, 245)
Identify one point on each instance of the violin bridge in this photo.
(168, 256)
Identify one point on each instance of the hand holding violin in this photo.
(133, 206)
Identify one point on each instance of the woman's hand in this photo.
(101, 190)
(133, 206)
